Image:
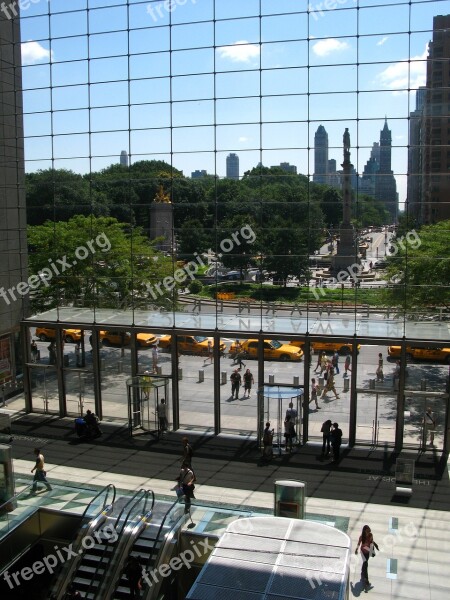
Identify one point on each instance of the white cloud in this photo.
(33, 52)
(328, 46)
(382, 41)
(240, 51)
(405, 74)
(243, 138)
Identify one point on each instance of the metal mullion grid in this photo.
(261, 223)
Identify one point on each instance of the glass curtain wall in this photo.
(259, 166)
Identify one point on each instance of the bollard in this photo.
(296, 381)
(201, 375)
(271, 378)
(159, 370)
(371, 384)
(180, 374)
(321, 380)
(119, 366)
(423, 384)
(224, 377)
(346, 384)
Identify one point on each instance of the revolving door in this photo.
(145, 394)
(273, 402)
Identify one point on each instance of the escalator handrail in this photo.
(84, 533)
(138, 497)
(107, 489)
(176, 503)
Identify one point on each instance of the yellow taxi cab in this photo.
(119, 338)
(46, 334)
(273, 350)
(436, 354)
(330, 347)
(190, 344)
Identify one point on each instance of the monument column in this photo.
(346, 254)
(161, 221)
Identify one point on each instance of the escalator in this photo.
(155, 544)
(99, 553)
(94, 518)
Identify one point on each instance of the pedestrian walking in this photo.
(336, 441)
(289, 432)
(314, 390)
(330, 386)
(326, 437)
(268, 441)
(396, 374)
(161, 410)
(248, 382)
(291, 412)
(236, 380)
(188, 452)
(379, 371)
(146, 387)
(368, 545)
(78, 354)
(34, 352)
(319, 359)
(323, 363)
(429, 423)
(133, 573)
(209, 353)
(186, 486)
(347, 364)
(51, 353)
(335, 362)
(40, 474)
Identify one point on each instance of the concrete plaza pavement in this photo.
(411, 563)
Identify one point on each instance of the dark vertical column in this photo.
(353, 396)
(59, 337)
(400, 423)
(447, 414)
(24, 340)
(306, 371)
(175, 384)
(96, 365)
(216, 384)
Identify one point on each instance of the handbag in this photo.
(372, 549)
(180, 492)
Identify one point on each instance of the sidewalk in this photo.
(412, 558)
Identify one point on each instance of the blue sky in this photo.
(263, 70)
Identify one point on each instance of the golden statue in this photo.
(161, 197)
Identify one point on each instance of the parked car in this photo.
(190, 344)
(435, 354)
(273, 350)
(119, 338)
(46, 334)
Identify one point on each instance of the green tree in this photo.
(117, 267)
(419, 270)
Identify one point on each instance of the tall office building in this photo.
(13, 243)
(321, 155)
(232, 166)
(385, 184)
(124, 158)
(435, 202)
(415, 156)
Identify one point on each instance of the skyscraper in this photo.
(14, 285)
(321, 155)
(385, 184)
(415, 155)
(124, 158)
(232, 166)
(435, 202)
